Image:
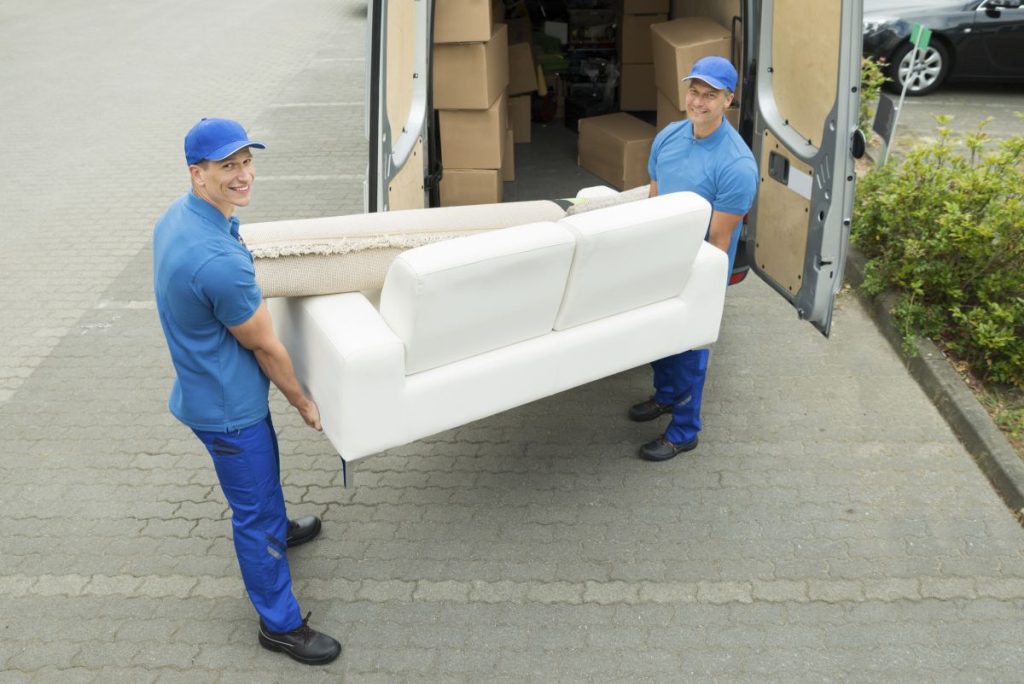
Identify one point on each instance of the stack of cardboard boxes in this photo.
(676, 45)
(616, 147)
(471, 78)
(636, 61)
(485, 73)
(522, 82)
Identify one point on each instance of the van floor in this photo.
(546, 166)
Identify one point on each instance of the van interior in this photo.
(587, 58)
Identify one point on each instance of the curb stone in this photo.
(946, 389)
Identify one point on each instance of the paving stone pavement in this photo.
(829, 527)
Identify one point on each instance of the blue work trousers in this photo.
(249, 469)
(679, 380)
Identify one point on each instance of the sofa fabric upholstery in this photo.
(448, 301)
(624, 259)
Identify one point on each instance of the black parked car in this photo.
(981, 40)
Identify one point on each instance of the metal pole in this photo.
(903, 95)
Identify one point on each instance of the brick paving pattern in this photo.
(829, 527)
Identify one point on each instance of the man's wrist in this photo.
(300, 402)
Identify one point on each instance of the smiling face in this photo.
(705, 107)
(227, 183)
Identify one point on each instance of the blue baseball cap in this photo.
(216, 139)
(717, 72)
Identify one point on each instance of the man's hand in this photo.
(257, 335)
(310, 413)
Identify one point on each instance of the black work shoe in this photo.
(303, 530)
(303, 643)
(648, 410)
(662, 450)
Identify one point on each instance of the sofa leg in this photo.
(347, 474)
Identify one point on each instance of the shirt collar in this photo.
(712, 139)
(212, 214)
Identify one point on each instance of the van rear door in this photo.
(806, 78)
(398, 111)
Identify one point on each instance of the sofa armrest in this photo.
(349, 360)
(706, 287)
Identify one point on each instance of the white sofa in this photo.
(476, 325)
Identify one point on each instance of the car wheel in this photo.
(928, 72)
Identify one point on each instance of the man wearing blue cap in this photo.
(225, 353)
(705, 155)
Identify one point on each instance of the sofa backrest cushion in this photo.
(631, 255)
(454, 299)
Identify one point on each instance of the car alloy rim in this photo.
(925, 72)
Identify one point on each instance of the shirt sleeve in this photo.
(228, 283)
(652, 161)
(737, 187)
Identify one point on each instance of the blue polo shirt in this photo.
(720, 168)
(204, 281)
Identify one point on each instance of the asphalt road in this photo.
(969, 104)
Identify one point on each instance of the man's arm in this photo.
(257, 335)
(722, 226)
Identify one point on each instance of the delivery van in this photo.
(456, 88)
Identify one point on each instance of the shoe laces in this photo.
(304, 630)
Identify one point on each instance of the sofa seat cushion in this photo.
(351, 253)
(451, 300)
(631, 255)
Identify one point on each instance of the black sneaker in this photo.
(303, 530)
(303, 643)
(662, 450)
(648, 410)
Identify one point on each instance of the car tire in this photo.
(933, 65)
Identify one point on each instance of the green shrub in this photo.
(944, 230)
(871, 81)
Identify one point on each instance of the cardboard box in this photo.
(667, 112)
(463, 21)
(635, 38)
(508, 163)
(636, 88)
(519, 114)
(616, 147)
(643, 6)
(471, 75)
(470, 186)
(522, 74)
(732, 115)
(677, 44)
(721, 11)
(474, 139)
